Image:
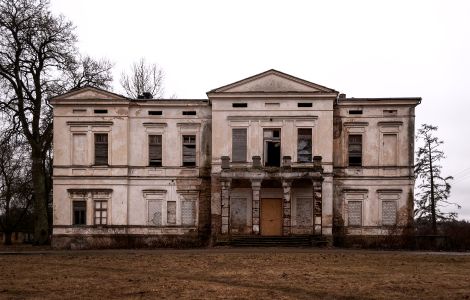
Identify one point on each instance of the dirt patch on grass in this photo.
(235, 274)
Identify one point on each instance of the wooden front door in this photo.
(271, 216)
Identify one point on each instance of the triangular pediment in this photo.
(272, 81)
(90, 93)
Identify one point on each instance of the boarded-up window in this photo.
(171, 212)
(189, 150)
(355, 213)
(188, 212)
(101, 212)
(155, 212)
(389, 213)
(355, 150)
(79, 212)
(304, 145)
(304, 215)
(155, 150)
(101, 149)
(238, 213)
(79, 149)
(389, 150)
(239, 144)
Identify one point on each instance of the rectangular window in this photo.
(171, 212)
(101, 149)
(79, 212)
(188, 212)
(101, 111)
(189, 150)
(272, 147)
(189, 113)
(304, 145)
(239, 104)
(354, 213)
(155, 150)
(101, 212)
(154, 212)
(355, 150)
(239, 142)
(389, 213)
(355, 112)
(155, 113)
(304, 104)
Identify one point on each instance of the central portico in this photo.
(272, 157)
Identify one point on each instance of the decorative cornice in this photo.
(86, 123)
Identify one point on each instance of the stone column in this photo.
(317, 206)
(255, 187)
(225, 205)
(286, 204)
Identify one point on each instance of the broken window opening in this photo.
(101, 149)
(304, 145)
(101, 212)
(355, 150)
(239, 142)
(272, 147)
(189, 150)
(155, 150)
(79, 212)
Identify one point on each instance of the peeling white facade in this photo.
(299, 128)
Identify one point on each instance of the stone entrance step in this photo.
(278, 241)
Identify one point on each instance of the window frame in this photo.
(100, 210)
(95, 143)
(150, 144)
(83, 211)
(355, 164)
(183, 144)
(311, 144)
(246, 145)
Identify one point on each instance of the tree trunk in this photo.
(433, 202)
(41, 224)
(7, 238)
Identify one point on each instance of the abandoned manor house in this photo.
(269, 156)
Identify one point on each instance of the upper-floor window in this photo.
(304, 104)
(355, 150)
(239, 104)
(272, 147)
(155, 150)
(100, 111)
(239, 142)
(189, 150)
(304, 145)
(101, 149)
(189, 113)
(155, 112)
(79, 212)
(355, 111)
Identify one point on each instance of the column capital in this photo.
(286, 183)
(256, 184)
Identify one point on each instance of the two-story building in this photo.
(270, 155)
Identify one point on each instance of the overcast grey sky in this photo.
(361, 48)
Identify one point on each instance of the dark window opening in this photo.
(239, 104)
(304, 104)
(189, 150)
(239, 142)
(189, 113)
(155, 112)
(101, 212)
(304, 145)
(101, 149)
(155, 150)
(355, 112)
(272, 147)
(101, 111)
(390, 112)
(355, 150)
(79, 212)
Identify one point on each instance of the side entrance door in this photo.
(271, 216)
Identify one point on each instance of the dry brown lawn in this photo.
(234, 273)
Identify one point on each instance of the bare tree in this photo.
(39, 59)
(433, 188)
(15, 184)
(143, 79)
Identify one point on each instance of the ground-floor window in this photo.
(101, 212)
(79, 212)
